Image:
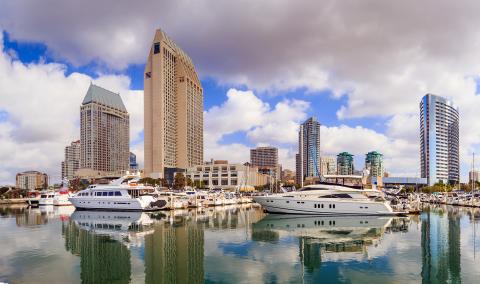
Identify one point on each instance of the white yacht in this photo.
(327, 199)
(46, 197)
(61, 198)
(124, 194)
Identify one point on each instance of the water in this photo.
(237, 244)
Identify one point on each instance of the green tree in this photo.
(179, 181)
(189, 181)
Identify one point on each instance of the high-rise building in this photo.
(104, 131)
(133, 162)
(308, 160)
(439, 140)
(173, 110)
(31, 180)
(474, 175)
(345, 164)
(328, 165)
(374, 164)
(266, 160)
(72, 160)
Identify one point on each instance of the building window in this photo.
(156, 48)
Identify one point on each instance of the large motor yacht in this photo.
(124, 194)
(327, 199)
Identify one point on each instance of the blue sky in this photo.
(262, 76)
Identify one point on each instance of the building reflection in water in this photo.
(173, 242)
(441, 245)
(103, 259)
(174, 254)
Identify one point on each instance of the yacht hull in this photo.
(118, 204)
(324, 207)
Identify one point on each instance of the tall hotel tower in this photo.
(173, 110)
(439, 140)
(104, 131)
(308, 157)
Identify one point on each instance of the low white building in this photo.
(221, 174)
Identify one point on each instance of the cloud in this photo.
(42, 107)
(380, 58)
(244, 112)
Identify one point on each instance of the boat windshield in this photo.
(312, 188)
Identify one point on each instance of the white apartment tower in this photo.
(104, 131)
(72, 160)
(173, 110)
(439, 140)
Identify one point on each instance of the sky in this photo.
(360, 67)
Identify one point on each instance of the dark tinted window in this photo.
(105, 193)
(156, 48)
(117, 193)
(110, 193)
(98, 194)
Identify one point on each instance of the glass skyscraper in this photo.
(308, 158)
(374, 164)
(345, 164)
(439, 140)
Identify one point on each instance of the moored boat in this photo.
(327, 199)
(124, 194)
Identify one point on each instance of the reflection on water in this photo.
(235, 244)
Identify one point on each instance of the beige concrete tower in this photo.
(104, 131)
(173, 109)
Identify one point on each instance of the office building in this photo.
(474, 175)
(288, 176)
(221, 174)
(173, 110)
(104, 131)
(266, 160)
(345, 164)
(374, 164)
(133, 162)
(308, 158)
(72, 160)
(439, 140)
(328, 165)
(31, 180)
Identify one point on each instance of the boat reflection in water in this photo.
(319, 236)
(121, 226)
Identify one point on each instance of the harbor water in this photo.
(236, 244)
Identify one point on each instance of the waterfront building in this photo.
(173, 110)
(345, 164)
(374, 164)
(288, 176)
(439, 140)
(328, 165)
(266, 160)
(133, 162)
(104, 131)
(397, 182)
(308, 158)
(72, 160)
(216, 174)
(31, 180)
(474, 175)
